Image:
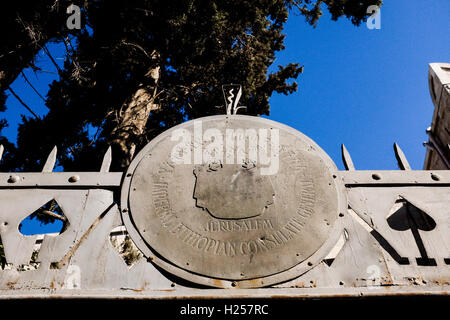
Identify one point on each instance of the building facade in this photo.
(438, 145)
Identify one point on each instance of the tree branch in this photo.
(32, 87)
(23, 103)
(69, 43)
(149, 56)
(35, 69)
(51, 58)
(54, 215)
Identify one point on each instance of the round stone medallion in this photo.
(231, 198)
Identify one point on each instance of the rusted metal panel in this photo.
(388, 231)
(415, 240)
(392, 177)
(60, 179)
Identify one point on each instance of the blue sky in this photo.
(364, 88)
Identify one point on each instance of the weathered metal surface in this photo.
(51, 160)
(176, 293)
(106, 163)
(60, 179)
(391, 177)
(379, 253)
(358, 233)
(347, 159)
(231, 222)
(366, 257)
(403, 163)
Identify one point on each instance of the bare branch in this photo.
(149, 56)
(47, 52)
(94, 138)
(54, 215)
(32, 87)
(23, 103)
(41, 70)
(69, 43)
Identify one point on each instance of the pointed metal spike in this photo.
(346, 159)
(1, 151)
(51, 160)
(401, 158)
(106, 163)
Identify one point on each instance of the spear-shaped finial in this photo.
(401, 158)
(346, 159)
(51, 160)
(106, 163)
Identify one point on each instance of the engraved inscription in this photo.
(233, 248)
(233, 226)
(207, 244)
(307, 195)
(228, 220)
(161, 195)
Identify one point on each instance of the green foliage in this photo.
(195, 46)
(34, 256)
(356, 11)
(129, 252)
(27, 26)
